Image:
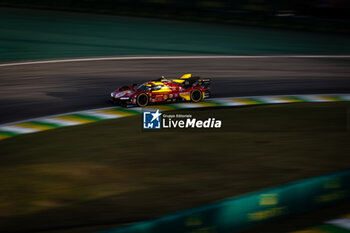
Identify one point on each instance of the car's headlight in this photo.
(119, 94)
(112, 94)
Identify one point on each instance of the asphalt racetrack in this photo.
(36, 90)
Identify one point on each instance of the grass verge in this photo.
(99, 175)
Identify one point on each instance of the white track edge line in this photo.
(169, 57)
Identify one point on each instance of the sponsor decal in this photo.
(157, 120)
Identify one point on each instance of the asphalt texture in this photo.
(30, 91)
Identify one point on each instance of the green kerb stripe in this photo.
(53, 125)
(258, 101)
(214, 103)
(297, 98)
(8, 133)
(338, 98)
(130, 111)
(92, 118)
(174, 106)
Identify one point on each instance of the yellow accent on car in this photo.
(178, 80)
(158, 83)
(186, 76)
(186, 96)
(164, 88)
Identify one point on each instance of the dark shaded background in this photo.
(313, 15)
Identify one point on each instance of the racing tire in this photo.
(142, 100)
(196, 96)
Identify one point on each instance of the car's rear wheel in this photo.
(196, 95)
(142, 100)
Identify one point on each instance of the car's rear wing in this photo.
(197, 81)
(204, 82)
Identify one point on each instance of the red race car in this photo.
(186, 88)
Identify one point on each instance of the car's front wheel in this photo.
(142, 100)
(196, 95)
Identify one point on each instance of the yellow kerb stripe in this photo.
(328, 98)
(162, 108)
(34, 126)
(4, 136)
(289, 99)
(207, 104)
(245, 101)
(74, 119)
(310, 231)
(116, 112)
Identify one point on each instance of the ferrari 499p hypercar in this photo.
(186, 88)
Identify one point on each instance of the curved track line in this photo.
(93, 115)
(170, 57)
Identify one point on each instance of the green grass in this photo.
(112, 172)
(33, 34)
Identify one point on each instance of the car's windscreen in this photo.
(143, 88)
